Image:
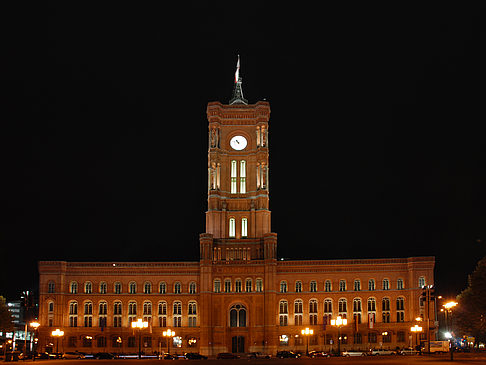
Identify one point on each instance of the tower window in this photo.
(232, 227)
(243, 177)
(233, 177)
(244, 227)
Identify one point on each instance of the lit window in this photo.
(232, 227)
(421, 282)
(233, 177)
(242, 177)
(244, 227)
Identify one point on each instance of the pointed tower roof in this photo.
(238, 90)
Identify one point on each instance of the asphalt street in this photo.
(459, 358)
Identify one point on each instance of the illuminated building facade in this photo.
(238, 297)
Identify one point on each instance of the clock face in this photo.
(238, 143)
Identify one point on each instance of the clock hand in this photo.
(237, 141)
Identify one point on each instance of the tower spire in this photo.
(238, 90)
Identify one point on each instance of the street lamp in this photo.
(169, 334)
(416, 329)
(57, 333)
(139, 324)
(307, 332)
(339, 322)
(34, 325)
(448, 310)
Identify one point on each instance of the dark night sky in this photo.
(376, 133)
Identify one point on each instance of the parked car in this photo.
(55, 355)
(354, 353)
(409, 351)
(195, 356)
(287, 354)
(227, 355)
(315, 354)
(258, 355)
(73, 355)
(382, 352)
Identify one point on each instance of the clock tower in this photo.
(238, 219)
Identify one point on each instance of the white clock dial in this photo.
(238, 143)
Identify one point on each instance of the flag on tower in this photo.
(237, 73)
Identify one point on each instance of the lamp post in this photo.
(168, 334)
(34, 325)
(307, 332)
(57, 333)
(448, 307)
(139, 324)
(416, 329)
(339, 322)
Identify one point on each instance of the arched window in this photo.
(103, 287)
(283, 287)
(73, 314)
(73, 308)
(233, 177)
(162, 287)
(248, 285)
(385, 307)
(177, 314)
(51, 287)
(371, 284)
(283, 313)
(327, 286)
(73, 288)
(343, 307)
(147, 309)
(400, 309)
(313, 312)
(162, 313)
(192, 288)
(238, 286)
(103, 308)
(117, 288)
(298, 286)
(357, 285)
(237, 316)
(371, 305)
(386, 284)
(313, 286)
(259, 285)
(88, 308)
(232, 228)
(342, 285)
(328, 306)
(88, 287)
(132, 308)
(192, 314)
(400, 285)
(147, 288)
(177, 287)
(117, 312)
(421, 282)
(357, 310)
(298, 312)
(132, 287)
(244, 227)
(217, 286)
(242, 176)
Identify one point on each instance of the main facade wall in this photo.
(201, 317)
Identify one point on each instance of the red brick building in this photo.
(238, 297)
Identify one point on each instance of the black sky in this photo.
(376, 133)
